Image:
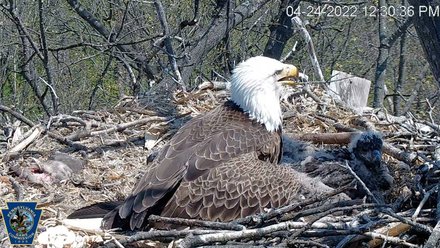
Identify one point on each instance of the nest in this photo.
(119, 142)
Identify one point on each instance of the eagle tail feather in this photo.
(98, 210)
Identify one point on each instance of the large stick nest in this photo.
(116, 144)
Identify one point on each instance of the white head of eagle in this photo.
(256, 88)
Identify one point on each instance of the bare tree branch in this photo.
(140, 59)
(167, 41)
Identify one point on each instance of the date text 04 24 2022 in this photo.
(366, 11)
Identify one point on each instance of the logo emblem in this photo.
(21, 221)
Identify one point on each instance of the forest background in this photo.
(57, 56)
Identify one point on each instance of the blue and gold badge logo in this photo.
(21, 221)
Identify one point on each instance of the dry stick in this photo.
(237, 227)
(298, 24)
(290, 52)
(296, 21)
(308, 243)
(123, 126)
(423, 201)
(324, 213)
(433, 240)
(393, 230)
(433, 126)
(164, 234)
(198, 223)
(58, 137)
(138, 110)
(66, 141)
(324, 138)
(349, 238)
(407, 157)
(360, 181)
(26, 142)
(65, 118)
(389, 149)
(192, 241)
(359, 231)
(235, 246)
(418, 226)
(323, 208)
(389, 239)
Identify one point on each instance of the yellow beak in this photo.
(287, 75)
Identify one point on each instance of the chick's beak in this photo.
(288, 75)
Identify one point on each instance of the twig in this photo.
(198, 223)
(423, 201)
(418, 226)
(66, 141)
(307, 243)
(433, 240)
(297, 22)
(164, 234)
(290, 52)
(123, 126)
(192, 241)
(389, 239)
(373, 197)
(64, 118)
(306, 89)
(406, 157)
(329, 210)
(325, 138)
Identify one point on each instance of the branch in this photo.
(297, 22)
(211, 36)
(17, 115)
(45, 59)
(399, 32)
(168, 46)
(98, 26)
(324, 138)
(197, 223)
(123, 126)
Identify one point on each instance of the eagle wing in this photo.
(243, 186)
(200, 145)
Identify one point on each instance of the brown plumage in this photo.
(219, 166)
(224, 164)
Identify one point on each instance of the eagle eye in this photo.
(277, 72)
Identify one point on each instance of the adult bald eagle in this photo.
(222, 165)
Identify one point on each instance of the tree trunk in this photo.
(428, 29)
(401, 78)
(280, 31)
(382, 61)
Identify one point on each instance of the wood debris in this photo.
(111, 150)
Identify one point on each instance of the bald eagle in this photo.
(221, 165)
